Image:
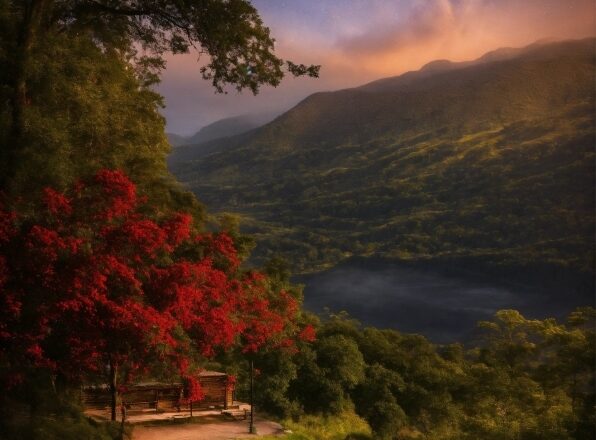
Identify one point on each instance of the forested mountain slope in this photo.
(492, 159)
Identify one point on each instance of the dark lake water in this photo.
(444, 307)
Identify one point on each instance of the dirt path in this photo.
(212, 431)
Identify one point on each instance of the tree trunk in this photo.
(28, 30)
(251, 427)
(32, 14)
(113, 388)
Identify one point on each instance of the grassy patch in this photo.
(345, 426)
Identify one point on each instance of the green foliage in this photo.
(76, 93)
(534, 378)
(340, 360)
(66, 428)
(526, 380)
(329, 370)
(38, 410)
(89, 110)
(343, 426)
(375, 401)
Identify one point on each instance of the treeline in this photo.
(522, 379)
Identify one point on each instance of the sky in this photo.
(358, 41)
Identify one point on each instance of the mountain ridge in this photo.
(491, 160)
(222, 128)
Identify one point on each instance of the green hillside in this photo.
(492, 159)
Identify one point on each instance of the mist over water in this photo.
(442, 307)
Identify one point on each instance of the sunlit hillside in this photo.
(492, 159)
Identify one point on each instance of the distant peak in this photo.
(500, 54)
(437, 65)
(543, 41)
(442, 65)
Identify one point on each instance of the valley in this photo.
(490, 161)
(440, 303)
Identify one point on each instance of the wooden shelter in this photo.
(218, 390)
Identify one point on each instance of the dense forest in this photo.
(516, 383)
(111, 274)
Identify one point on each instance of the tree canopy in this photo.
(102, 272)
(521, 379)
(231, 33)
(93, 280)
(76, 91)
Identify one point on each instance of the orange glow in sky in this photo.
(357, 41)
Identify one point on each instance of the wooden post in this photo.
(251, 426)
(113, 389)
(226, 385)
(123, 414)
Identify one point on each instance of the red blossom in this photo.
(220, 247)
(193, 391)
(308, 334)
(178, 228)
(7, 224)
(118, 193)
(94, 277)
(56, 202)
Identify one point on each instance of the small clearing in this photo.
(217, 430)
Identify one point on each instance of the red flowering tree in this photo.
(98, 283)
